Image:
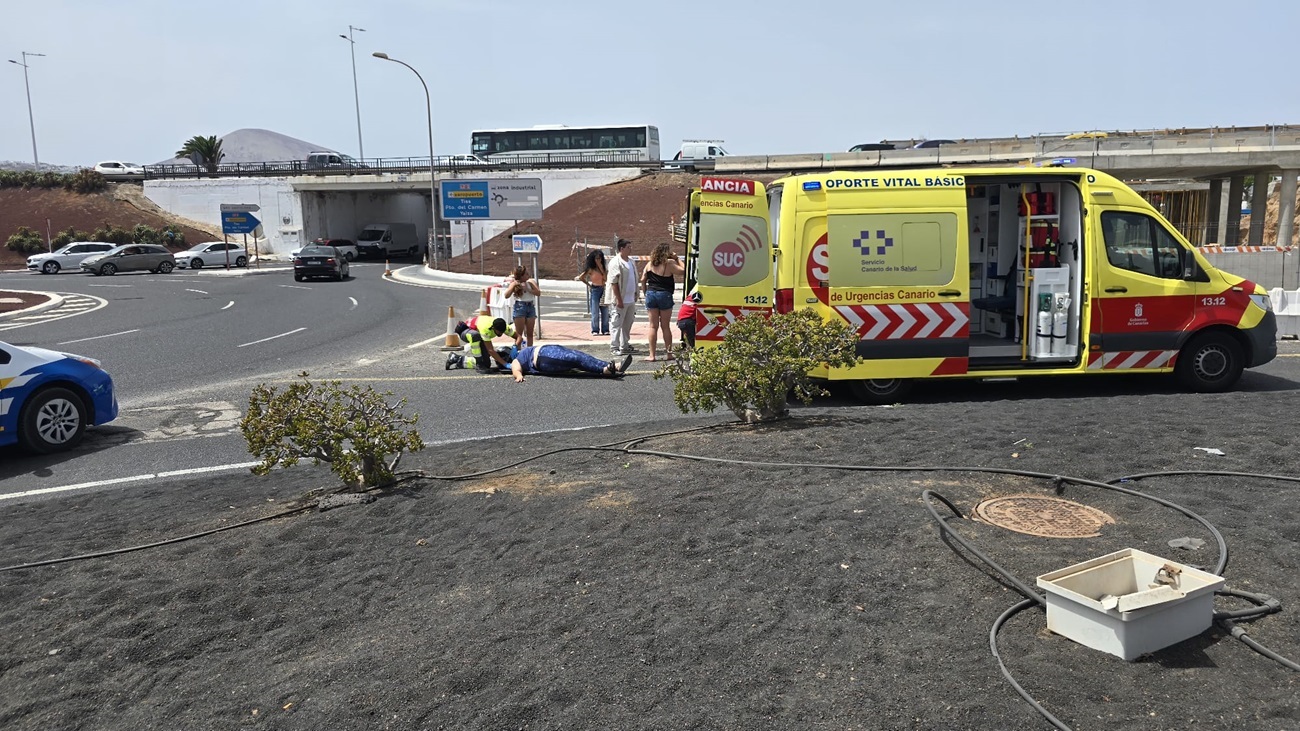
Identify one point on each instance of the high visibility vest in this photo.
(483, 324)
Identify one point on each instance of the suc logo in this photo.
(729, 256)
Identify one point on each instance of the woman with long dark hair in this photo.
(593, 274)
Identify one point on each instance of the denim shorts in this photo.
(658, 300)
(524, 310)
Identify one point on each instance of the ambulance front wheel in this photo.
(879, 391)
(1210, 362)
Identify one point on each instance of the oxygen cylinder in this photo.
(1043, 339)
(1061, 325)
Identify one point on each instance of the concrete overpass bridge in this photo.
(1211, 158)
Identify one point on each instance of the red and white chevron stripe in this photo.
(712, 325)
(1124, 360)
(912, 321)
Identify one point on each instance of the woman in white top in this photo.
(525, 292)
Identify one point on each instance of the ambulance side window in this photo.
(1138, 243)
(4, 357)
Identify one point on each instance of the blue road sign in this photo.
(238, 222)
(526, 243)
(462, 199)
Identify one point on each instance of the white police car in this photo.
(48, 398)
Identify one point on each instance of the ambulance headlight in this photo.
(1262, 302)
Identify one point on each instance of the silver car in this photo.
(69, 257)
(130, 258)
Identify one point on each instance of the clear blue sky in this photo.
(132, 79)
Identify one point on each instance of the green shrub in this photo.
(112, 234)
(354, 430)
(67, 236)
(761, 360)
(143, 234)
(25, 241)
(84, 180)
(177, 237)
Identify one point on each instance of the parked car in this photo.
(212, 254)
(119, 169)
(68, 257)
(130, 258)
(463, 161)
(48, 398)
(347, 246)
(320, 261)
(871, 147)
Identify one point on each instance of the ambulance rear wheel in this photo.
(879, 391)
(1210, 363)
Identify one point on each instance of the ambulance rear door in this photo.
(729, 254)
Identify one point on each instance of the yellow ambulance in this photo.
(975, 273)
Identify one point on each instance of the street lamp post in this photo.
(433, 186)
(31, 121)
(356, 95)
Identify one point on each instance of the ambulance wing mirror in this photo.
(1192, 271)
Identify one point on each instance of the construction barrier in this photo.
(1286, 307)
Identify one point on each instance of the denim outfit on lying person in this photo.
(552, 360)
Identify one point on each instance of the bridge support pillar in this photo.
(1286, 207)
(1258, 208)
(1232, 218)
(1213, 209)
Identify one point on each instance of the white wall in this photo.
(201, 199)
(339, 206)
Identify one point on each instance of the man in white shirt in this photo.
(620, 295)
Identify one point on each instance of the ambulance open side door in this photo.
(729, 254)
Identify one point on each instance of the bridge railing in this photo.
(384, 165)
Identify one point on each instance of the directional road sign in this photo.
(526, 243)
(238, 222)
(497, 199)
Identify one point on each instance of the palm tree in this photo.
(205, 152)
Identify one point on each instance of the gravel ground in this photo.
(614, 590)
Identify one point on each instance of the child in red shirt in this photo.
(686, 319)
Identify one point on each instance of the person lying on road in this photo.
(553, 360)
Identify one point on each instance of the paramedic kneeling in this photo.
(478, 332)
(553, 360)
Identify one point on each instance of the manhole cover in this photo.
(1049, 517)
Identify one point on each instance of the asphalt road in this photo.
(186, 349)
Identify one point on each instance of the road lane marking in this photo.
(133, 478)
(291, 286)
(111, 285)
(229, 304)
(195, 290)
(273, 337)
(354, 303)
(423, 343)
(97, 337)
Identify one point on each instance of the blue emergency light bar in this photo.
(812, 185)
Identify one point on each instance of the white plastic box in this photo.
(1129, 602)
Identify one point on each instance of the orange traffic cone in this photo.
(452, 341)
(388, 270)
(483, 303)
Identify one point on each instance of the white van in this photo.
(388, 239)
(693, 150)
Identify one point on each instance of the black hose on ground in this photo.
(993, 645)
